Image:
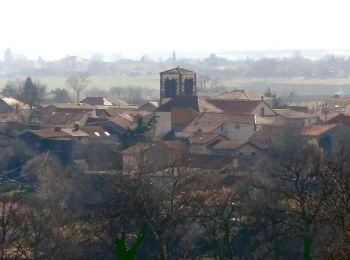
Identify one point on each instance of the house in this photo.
(236, 148)
(252, 107)
(164, 112)
(234, 126)
(291, 118)
(331, 137)
(118, 124)
(66, 108)
(335, 104)
(151, 157)
(63, 119)
(239, 95)
(243, 95)
(10, 105)
(340, 119)
(96, 101)
(149, 107)
(203, 143)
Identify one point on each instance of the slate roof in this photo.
(209, 122)
(193, 102)
(235, 106)
(316, 130)
(178, 70)
(94, 101)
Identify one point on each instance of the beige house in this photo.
(234, 126)
(237, 148)
(203, 143)
(251, 107)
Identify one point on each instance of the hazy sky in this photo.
(53, 28)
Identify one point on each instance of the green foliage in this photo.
(123, 252)
(143, 132)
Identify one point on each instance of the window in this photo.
(170, 88)
(222, 128)
(253, 154)
(240, 154)
(262, 111)
(188, 84)
(237, 126)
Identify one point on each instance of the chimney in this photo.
(76, 128)
(57, 129)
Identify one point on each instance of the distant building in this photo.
(177, 82)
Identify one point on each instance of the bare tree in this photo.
(78, 83)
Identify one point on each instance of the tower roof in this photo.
(178, 70)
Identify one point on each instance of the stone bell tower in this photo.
(177, 82)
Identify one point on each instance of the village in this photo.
(229, 129)
(194, 172)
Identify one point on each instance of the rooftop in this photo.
(202, 138)
(94, 101)
(208, 122)
(239, 95)
(178, 70)
(288, 113)
(236, 106)
(316, 130)
(182, 116)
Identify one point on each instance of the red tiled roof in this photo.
(239, 95)
(182, 116)
(236, 106)
(209, 122)
(288, 113)
(340, 119)
(316, 130)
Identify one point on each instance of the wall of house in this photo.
(267, 110)
(347, 109)
(5, 108)
(236, 131)
(245, 150)
(295, 122)
(163, 123)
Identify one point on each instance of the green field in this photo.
(302, 86)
